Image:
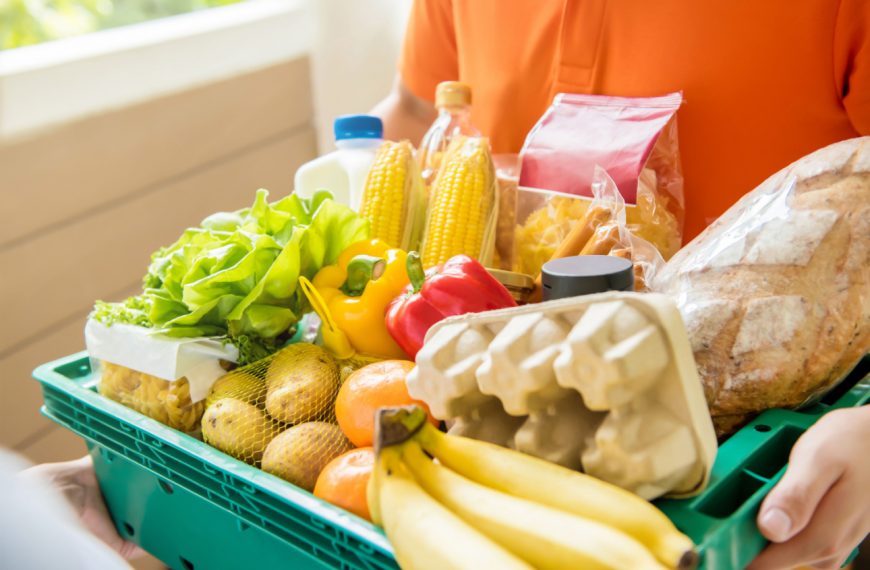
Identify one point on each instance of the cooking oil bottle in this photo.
(453, 101)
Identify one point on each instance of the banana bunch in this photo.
(484, 506)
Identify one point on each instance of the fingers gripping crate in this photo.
(194, 507)
(721, 520)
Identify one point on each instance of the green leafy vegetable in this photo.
(133, 311)
(236, 275)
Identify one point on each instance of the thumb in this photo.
(790, 505)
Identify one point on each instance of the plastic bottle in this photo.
(453, 101)
(343, 171)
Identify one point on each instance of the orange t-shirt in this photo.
(765, 82)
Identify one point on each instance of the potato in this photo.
(300, 453)
(241, 385)
(302, 382)
(238, 429)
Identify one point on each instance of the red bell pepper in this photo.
(461, 285)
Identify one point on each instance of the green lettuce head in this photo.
(237, 274)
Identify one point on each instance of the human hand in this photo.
(78, 483)
(820, 510)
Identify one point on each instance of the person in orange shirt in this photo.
(765, 82)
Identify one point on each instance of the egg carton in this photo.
(602, 383)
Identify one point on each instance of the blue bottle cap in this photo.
(358, 127)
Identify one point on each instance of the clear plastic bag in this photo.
(507, 178)
(776, 293)
(168, 402)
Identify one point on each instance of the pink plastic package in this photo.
(633, 138)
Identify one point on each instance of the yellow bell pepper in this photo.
(367, 276)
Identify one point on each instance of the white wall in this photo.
(354, 55)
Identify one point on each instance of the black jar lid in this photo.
(584, 275)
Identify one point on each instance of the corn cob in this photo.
(389, 200)
(461, 202)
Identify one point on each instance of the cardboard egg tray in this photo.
(602, 383)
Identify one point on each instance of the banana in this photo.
(373, 496)
(424, 534)
(530, 478)
(545, 537)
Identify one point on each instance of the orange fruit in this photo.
(344, 480)
(378, 385)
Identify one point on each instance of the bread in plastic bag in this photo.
(776, 293)
(633, 138)
(278, 413)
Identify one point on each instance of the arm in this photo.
(428, 57)
(405, 115)
(820, 510)
(77, 482)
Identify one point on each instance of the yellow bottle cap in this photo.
(452, 94)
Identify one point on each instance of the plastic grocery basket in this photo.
(194, 507)
(722, 519)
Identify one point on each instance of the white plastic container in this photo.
(343, 172)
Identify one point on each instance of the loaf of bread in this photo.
(776, 293)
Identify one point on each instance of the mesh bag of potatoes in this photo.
(278, 413)
(168, 402)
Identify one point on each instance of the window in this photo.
(28, 22)
(115, 68)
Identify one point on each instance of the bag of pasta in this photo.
(162, 377)
(555, 225)
(167, 401)
(633, 139)
(279, 413)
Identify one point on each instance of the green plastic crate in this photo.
(721, 520)
(194, 507)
